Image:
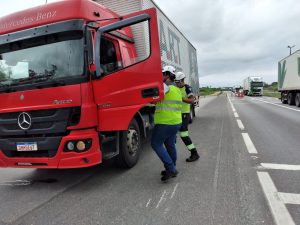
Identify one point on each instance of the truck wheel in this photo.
(291, 99)
(192, 114)
(191, 117)
(283, 100)
(297, 100)
(130, 145)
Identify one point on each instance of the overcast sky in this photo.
(234, 38)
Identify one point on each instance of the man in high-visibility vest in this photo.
(187, 100)
(167, 120)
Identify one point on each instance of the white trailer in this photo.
(289, 79)
(175, 48)
(253, 86)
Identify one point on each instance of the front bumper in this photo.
(62, 160)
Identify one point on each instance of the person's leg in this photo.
(159, 135)
(184, 134)
(170, 142)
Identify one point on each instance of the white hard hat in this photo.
(179, 76)
(170, 69)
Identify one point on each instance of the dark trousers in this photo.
(184, 132)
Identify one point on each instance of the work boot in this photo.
(168, 175)
(194, 156)
(163, 173)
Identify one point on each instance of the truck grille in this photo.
(47, 128)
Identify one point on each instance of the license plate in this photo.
(26, 146)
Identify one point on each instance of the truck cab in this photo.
(74, 87)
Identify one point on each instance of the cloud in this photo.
(237, 38)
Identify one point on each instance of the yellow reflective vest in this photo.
(186, 107)
(168, 111)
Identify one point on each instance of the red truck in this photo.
(76, 85)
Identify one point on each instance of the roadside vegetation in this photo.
(204, 91)
(271, 90)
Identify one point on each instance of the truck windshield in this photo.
(257, 84)
(50, 58)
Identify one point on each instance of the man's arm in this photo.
(190, 95)
(189, 100)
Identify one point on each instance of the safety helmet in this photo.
(170, 69)
(179, 76)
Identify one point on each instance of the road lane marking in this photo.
(216, 174)
(289, 198)
(236, 115)
(240, 124)
(148, 202)
(161, 198)
(249, 144)
(174, 190)
(280, 166)
(166, 210)
(16, 183)
(278, 209)
(278, 105)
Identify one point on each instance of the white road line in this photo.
(278, 209)
(249, 144)
(166, 210)
(161, 198)
(236, 115)
(289, 198)
(240, 124)
(279, 105)
(230, 102)
(16, 183)
(148, 202)
(174, 190)
(280, 166)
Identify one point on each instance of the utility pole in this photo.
(290, 47)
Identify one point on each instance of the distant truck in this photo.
(78, 81)
(253, 86)
(289, 79)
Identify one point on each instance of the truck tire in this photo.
(291, 99)
(192, 114)
(283, 100)
(130, 145)
(297, 100)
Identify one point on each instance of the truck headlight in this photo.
(78, 145)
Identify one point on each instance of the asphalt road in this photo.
(223, 187)
(274, 129)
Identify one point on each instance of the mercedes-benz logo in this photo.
(24, 121)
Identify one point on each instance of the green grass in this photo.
(271, 94)
(271, 90)
(208, 91)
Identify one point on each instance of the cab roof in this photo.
(55, 12)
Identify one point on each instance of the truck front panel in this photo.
(48, 117)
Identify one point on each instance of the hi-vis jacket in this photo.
(168, 111)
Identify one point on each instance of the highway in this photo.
(274, 129)
(248, 173)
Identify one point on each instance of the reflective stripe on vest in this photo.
(168, 108)
(168, 111)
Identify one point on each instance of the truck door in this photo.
(128, 69)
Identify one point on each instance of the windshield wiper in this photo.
(51, 83)
(8, 87)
